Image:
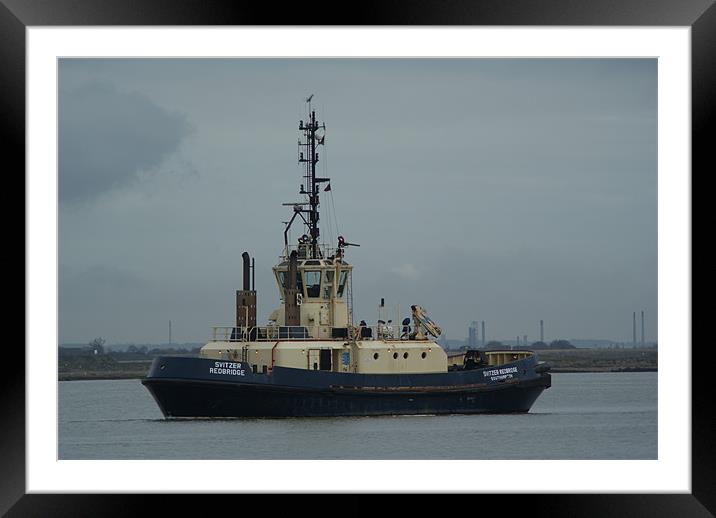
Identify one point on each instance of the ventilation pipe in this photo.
(247, 271)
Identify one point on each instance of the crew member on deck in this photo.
(406, 329)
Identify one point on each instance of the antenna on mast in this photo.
(307, 155)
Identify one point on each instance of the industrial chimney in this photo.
(642, 328)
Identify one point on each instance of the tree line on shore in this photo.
(97, 347)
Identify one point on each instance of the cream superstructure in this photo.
(326, 338)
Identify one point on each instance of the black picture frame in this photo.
(699, 15)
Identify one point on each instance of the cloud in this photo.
(108, 138)
(406, 270)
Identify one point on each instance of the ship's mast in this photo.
(308, 155)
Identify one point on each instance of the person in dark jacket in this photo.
(406, 329)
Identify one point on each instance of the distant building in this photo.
(472, 334)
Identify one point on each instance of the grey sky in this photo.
(504, 190)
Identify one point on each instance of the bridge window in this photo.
(313, 283)
(282, 283)
(342, 283)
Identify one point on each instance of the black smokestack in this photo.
(247, 271)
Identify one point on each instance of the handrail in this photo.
(326, 251)
(387, 332)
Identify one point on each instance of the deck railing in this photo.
(318, 332)
(303, 251)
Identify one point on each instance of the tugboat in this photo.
(311, 359)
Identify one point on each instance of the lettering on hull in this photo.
(500, 374)
(234, 369)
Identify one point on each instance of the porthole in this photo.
(405, 355)
(395, 356)
(375, 356)
(423, 355)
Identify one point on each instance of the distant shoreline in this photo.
(91, 376)
(115, 366)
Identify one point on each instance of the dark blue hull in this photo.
(198, 387)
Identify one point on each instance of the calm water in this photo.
(583, 416)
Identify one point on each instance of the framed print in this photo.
(162, 70)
